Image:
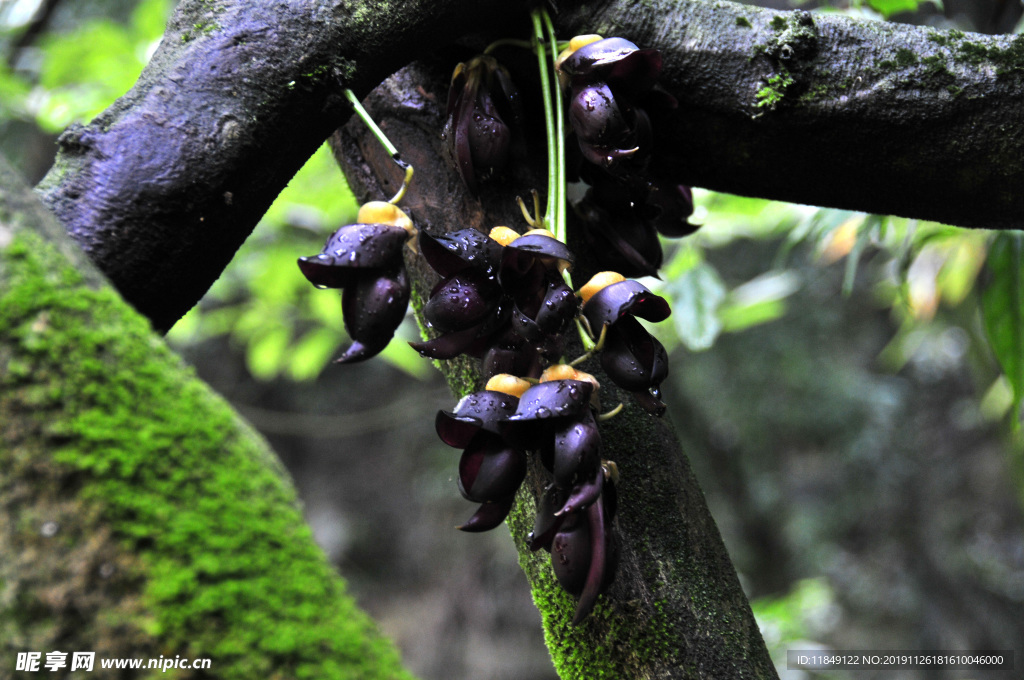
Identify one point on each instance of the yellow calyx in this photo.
(504, 235)
(598, 282)
(382, 212)
(574, 44)
(542, 232)
(567, 372)
(507, 384)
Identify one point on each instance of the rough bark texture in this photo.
(139, 517)
(827, 110)
(163, 187)
(676, 609)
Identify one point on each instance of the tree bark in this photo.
(162, 188)
(140, 518)
(676, 610)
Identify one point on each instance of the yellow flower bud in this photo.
(382, 212)
(504, 235)
(567, 372)
(507, 384)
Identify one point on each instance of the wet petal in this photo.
(462, 301)
(596, 117)
(632, 357)
(595, 580)
(585, 494)
(624, 298)
(542, 409)
(571, 553)
(451, 253)
(354, 246)
(547, 523)
(448, 345)
(476, 411)
(577, 451)
(614, 60)
(375, 306)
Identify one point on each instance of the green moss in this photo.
(778, 23)
(230, 570)
(1006, 60)
(772, 94)
(743, 22)
(905, 58)
(627, 642)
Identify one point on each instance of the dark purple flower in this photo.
(480, 101)
(619, 236)
(372, 309)
(490, 470)
(467, 307)
(544, 409)
(366, 261)
(607, 128)
(632, 357)
(584, 554)
(615, 61)
(609, 80)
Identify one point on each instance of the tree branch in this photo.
(163, 187)
(827, 110)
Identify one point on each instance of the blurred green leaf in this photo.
(264, 354)
(1002, 304)
(696, 296)
(311, 353)
(889, 7)
(399, 354)
(758, 301)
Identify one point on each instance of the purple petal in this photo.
(451, 253)
(624, 298)
(596, 571)
(547, 523)
(354, 246)
(632, 357)
(374, 307)
(577, 452)
(462, 301)
(489, 469)
(477, 411)
(488, 515)
(571, 554)
(584, 495)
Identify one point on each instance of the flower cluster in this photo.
(555, 418)
(507, 299)
(633, 195)
(502, 298)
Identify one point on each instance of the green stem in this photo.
(549, 123)
(384, 141)
(554, 215)
(559, 226)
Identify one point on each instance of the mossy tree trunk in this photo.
(139, 516)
